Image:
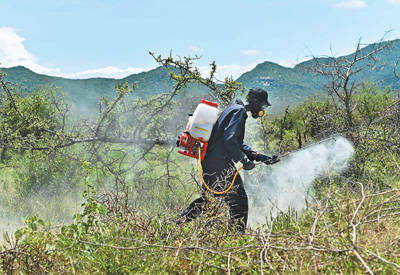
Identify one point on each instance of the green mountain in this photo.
(89, 91)
(287, 86)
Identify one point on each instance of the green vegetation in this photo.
(287, 86)
(133, 183)
(85, 93)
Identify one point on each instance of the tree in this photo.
(129, 138)
(342, 75)
(183, 71)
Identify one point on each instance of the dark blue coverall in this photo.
(225, 148)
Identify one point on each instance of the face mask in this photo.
(258, 114)
(257, 110)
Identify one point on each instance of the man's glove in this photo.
(266, 159)
(247, 164)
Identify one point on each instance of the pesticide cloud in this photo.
(287, 183)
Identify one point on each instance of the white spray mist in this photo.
(287, 183)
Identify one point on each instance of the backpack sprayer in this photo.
(194, 140)
(198, 130)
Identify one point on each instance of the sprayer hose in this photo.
(205, 184)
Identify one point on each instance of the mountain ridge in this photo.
(287, 86)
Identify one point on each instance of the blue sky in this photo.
(87, 38)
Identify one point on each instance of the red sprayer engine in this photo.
(198, 130)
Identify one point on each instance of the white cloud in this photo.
(290, 63)
(196, 49)
(108, 72)
(13, 53)
(394, 2)
(287, 63)
(223, 71)
(352, 4)
(250, 52)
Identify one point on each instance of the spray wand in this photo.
(334, 137)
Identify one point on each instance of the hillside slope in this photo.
(287, 86)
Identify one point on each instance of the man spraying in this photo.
(225, 148)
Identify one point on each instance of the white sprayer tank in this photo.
(203, 120)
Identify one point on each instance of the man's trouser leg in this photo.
(238, 204)
(236, 198)
(193, 210)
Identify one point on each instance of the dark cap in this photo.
(258, 95)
